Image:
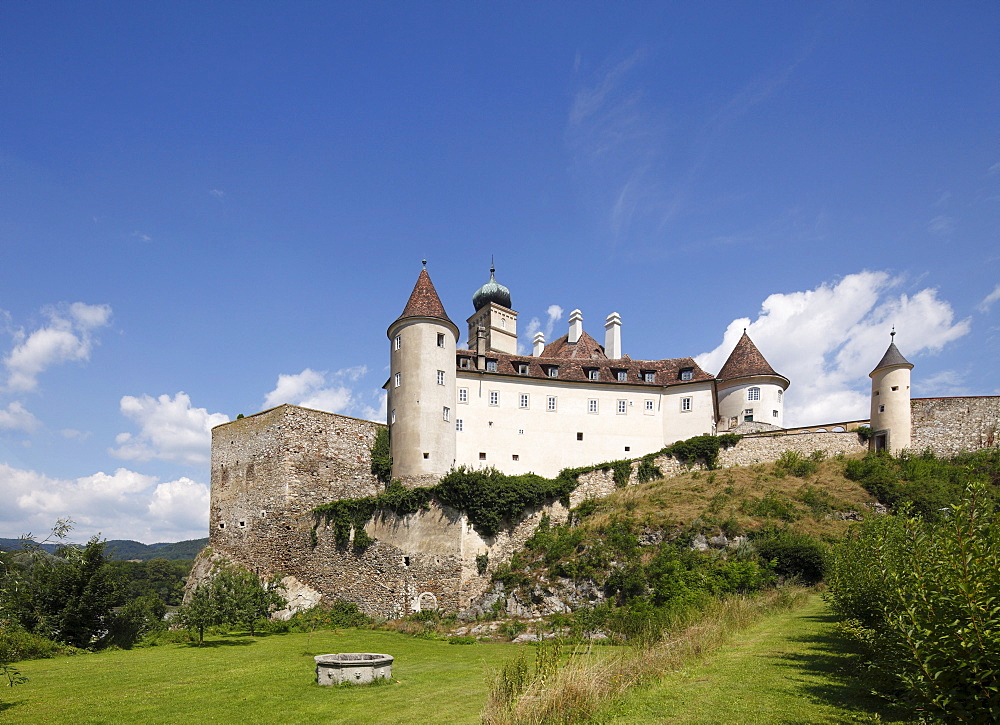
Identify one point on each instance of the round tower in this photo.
(749, 390)
(421, 388)
(890, 413)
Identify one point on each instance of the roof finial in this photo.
(892, 335)
(493, 267)
(744, 330)
(424, 262)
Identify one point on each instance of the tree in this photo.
(201, 610)
(244, 598)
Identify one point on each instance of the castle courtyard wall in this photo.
(947, 426)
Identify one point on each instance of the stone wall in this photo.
(949, 425)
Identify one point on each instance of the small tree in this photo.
(244, 598)
(201, 610)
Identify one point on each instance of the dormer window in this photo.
(491, 366)
(687, 373)
(463, 362)
(648, 376)
(522, 368)
(621, 376)
(553, 371)
(593, 374)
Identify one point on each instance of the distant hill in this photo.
(126, 549)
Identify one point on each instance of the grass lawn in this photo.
(268, 679)
(790, 668)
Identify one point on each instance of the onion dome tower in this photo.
(890, 413)
(749, 389)
(421, 388)
(494, 315)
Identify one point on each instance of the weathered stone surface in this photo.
(356, 668)
(947, 426)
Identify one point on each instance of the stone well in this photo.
(355, 667)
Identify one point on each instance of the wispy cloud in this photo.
(553, 314)
(941, 224)
(217, 193)
(989, 299)
(142, 236)
(826, 340)
(16, 417)
(333, 392)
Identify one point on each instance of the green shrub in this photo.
(794, 555)
(647, 471)
(381, 466)
(791, 463)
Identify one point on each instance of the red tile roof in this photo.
(586, 348)
(424, 300)
(744, 361)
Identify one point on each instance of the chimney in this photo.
(575, 326)
(481, 348)
(613, 336)
(539, 345)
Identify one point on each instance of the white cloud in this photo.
(554, 313)
(327, 391)
(217, 193)
(941, 225)
(69, 336)
(142, 236)
(828, 339)
(989, 299)
(15, 417)
(170, 430)
(121, 505)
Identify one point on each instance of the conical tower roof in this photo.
(745, 361)
(892, 358)
(424, 301)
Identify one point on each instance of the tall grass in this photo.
(575, 690)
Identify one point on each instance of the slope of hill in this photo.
(126, 549)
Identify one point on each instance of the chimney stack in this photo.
(539, 344)
(575, 326)
(613, 336)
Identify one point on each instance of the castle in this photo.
(572, 402)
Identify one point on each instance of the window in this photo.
(579, 436)
(222, 525)
(781, 391)
(503, 324)
(553, 371)
(687, 373)
(494, 397)
(895, 387)
(748, 415)
(685, 405)
(593, 374)
(628, 448)
(774, 414)
(592, 405)
(459, 425)
(440, 339)
(881, 409)
(649, 376)
(463, 362)
(463, 395)
(523, 400)
(397, 342)
(491, 366)
(622, 376)
(622, 407)
(550, 403)
(649, 406)
(440, 377)
(446, 414)
(398, 379)
(520, 432)
(753, 393)
(482, 456)
(522, 368)
(392, 416)
(426, 456)
(515, 457)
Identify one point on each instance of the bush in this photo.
(922, 597)
(791, 463)
(793, 555)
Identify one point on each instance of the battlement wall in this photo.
(947, 426)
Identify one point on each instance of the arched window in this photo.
(753, 393)
(779, 395)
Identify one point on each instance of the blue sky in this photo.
(206, 209)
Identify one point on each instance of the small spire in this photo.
(892, 335)
(424, 262)
(493, 267)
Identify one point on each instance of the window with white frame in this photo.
(494, 397)
(459, 425)
(440, 339)
(550, 403)
(779, 395)
(440, 377)
(753, 393)
(463, 395)
(392, 416)
(650, 407)
(446, 414)
(463, 362)
(687, 373)
(593, 374)
(622, 407)
(774, 414)
(522, 368)
(686, 405)
(649, 376)
(553, 371)
(622, 376)
(398, 379)
(523, 400)
(592, 405)
(491, 366)
(397, 342)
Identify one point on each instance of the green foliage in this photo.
(700, 449)
(232, 596)
(791, 463)
(647, 471)
(792, 554)
(158, 577)
(335, 615)
(772, 505)
(17, 644)
(462, 640)
(927, 483)
(482, 563)
(865, 433)
(923, 596)
(622, 471)
(381, 457)
(138, 618)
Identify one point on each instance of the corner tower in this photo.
(890, 413)
(749, 390)
(421, 387)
